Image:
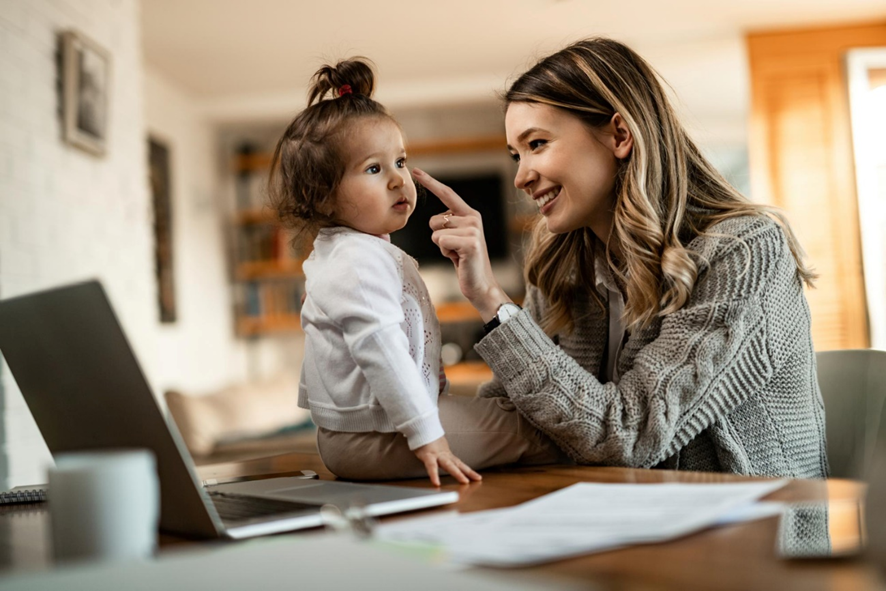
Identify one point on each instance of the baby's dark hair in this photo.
(308, 163)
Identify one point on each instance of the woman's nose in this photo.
(525, 177)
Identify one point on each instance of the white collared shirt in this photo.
(617, 328)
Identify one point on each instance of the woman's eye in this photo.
(374, 169)
(401, 163)
(536, 144)
(515, 157)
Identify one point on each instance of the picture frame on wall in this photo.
(86, 80)
(161, 196)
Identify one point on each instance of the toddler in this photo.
(372, 376)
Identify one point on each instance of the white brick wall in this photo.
(66, 215)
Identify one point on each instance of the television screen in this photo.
(483, 192)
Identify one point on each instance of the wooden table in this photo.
(741, 557)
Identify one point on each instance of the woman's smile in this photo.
(545, 199)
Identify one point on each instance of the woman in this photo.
(665, 321)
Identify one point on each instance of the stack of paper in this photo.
(582, 518)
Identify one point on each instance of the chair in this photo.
(853, 386)
(875, 505)
(256, 419)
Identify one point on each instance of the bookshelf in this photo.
(266, 269)
(268, 280)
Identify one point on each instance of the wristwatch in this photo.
(505, 312)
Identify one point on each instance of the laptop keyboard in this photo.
(232, 507)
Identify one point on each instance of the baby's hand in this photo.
(436, 455)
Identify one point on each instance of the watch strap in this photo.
(491, 325)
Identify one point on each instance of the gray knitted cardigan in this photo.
(725, 384)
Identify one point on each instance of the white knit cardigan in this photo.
(372, 339)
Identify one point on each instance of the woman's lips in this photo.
(546, 201)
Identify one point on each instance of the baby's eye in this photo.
(401, 163)
(536, 144)
(374, 169)
(514, 156)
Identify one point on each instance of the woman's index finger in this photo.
(449, 197)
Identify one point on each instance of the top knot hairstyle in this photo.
(667, 193)
(353, 76)
(308, 162)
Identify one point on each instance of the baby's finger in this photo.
(468, 471)
(433, 472)
(449, 197)
(453, 468)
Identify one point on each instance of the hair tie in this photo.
(344, 89)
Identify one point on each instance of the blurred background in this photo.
(135, 139)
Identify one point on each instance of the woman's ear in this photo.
(622, 140)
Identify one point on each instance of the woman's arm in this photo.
(705, 360)
(534, 307)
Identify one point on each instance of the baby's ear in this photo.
(326, 206)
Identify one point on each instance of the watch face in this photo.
(507, 311)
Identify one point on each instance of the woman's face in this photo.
(565, 167)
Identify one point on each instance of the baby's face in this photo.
(376, 194)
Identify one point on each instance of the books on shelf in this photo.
(267, 276)
(271, 298)
(252, 191)
(262, 242)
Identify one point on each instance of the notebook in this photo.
(85, 389)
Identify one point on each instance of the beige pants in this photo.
(482, 432)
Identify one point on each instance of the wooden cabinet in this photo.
(801, 161)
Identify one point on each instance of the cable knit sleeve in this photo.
(692, 366)
(494, 388)
(362, 296)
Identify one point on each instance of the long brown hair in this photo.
(308, 163)
(667, 193)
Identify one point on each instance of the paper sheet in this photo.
(582, 518)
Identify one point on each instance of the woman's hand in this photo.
(459, 234)
(436, 455)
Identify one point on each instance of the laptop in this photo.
(85, 389)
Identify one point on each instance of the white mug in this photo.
(104, 505)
